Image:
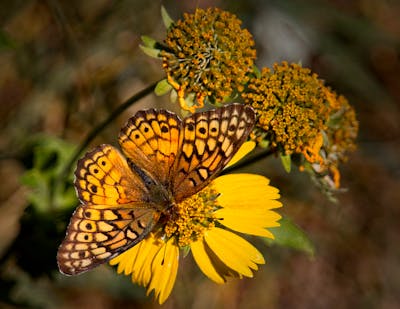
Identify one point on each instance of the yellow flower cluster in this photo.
(299, 115)
(291, 106)
(209, 54)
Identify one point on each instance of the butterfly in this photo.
(167, 160)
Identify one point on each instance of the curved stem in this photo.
(97, 129)
(248, 160)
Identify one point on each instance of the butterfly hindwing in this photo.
(209, 141)
(97, 233)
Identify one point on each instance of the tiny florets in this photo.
(190, 218)
(209, 54)
(291, 106)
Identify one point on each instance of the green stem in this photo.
(248, 160)
(97, 129)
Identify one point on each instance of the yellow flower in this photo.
(208, 54)
(206, 223)
(301, 118)
(246, 201)
(291, 105)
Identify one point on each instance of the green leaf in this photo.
(290, 235)
(264, 144)
(186, 251)
(162, 87)
(148, 41)
(190, 99)
(168, 21)
(173, 97)
(256, 71)
(48, 189)
(286, 162)
(152, 52)
(38, 182)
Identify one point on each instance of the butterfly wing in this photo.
(151, 140)
(208, 142)
(115, 213)
(97, 233)
(103, 177)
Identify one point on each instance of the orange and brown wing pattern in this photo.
(97, 233)
(209, 141)
(103, 177)
(150, 140)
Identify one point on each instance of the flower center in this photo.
(292, 106)
(192, 217)
(208, 54)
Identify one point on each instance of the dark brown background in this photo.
(65, 65)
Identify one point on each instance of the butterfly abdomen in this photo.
(159, 194)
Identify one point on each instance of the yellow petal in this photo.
(172, 259)
(148, 249)
(204, 262)
(248, 191)
(233, 251)
(253, 222)
(164, 269)
(246, 148)
(125, 260)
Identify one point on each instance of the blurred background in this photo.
(66, 65)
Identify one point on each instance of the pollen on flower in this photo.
(208, 53)
(299, 116)
(291, 106)
(192, 217)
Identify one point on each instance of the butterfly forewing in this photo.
(209, 141)
(150, 140)
(97, 233)
(104, 177)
